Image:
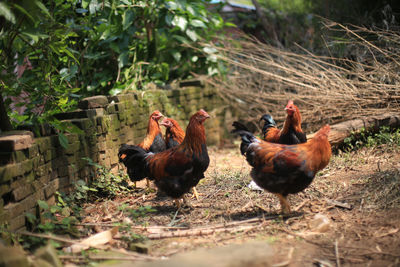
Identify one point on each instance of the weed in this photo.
(54, 219)
(365, 138)
(105, 183)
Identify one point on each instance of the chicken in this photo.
(154, 141)
(270, 131)
(291, 132)
(285, 169)
(174, 134)
(174, 170)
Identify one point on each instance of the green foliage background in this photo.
(75, 48)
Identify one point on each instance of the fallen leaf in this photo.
(93, 241)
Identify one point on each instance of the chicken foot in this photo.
(284, 203)
(195, 193)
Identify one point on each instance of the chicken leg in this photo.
(284, 203)
(195, 193)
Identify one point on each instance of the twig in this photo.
(95, 257)
(339, 204)
(56, 238)
(200, 232)
(301, 205)
(337, 253)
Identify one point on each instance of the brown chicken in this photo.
(174, 170)
(285, 169)
(291, 132)
(154, 141)
(174, 134)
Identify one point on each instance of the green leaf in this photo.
(31, 218)
(127, 19)
(63, 140)
(43, 8)
(177, 56)
(210, 50)
(198, 23)
(168, 19)
(22, 10)
(6, 13)
(85, 3)
(172, 5)
(68, 52)
(43, 204)
(180, 22)
(192, 35)
(54, 209)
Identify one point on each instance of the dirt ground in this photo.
(349, 216)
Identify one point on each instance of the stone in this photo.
(15, 140)
(320, 223)
(49, 254)
(254, 254)
(140, 247)
(99, 101)
(13, 256)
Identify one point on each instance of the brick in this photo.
(6, 158)
(51, 188)
(15, 140)
(10, 171)
(99, 101)
(72, 148)
(4, 189)
(44, 143)
(39, 184)
(17, 222)
(43, 169)
(95, 112)
(22, 192)
(14, 209)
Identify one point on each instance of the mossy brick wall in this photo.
(40, 169)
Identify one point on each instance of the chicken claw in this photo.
(195, 193)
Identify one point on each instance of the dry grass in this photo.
(326, 89)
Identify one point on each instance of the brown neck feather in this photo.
(177, 133)
(153, 129)
(294, 121)
(195, 135)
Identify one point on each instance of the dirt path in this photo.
(366, 232)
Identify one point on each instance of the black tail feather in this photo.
(247, 137)
(134, 159)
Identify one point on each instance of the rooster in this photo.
(174, 136)
(176, 170)
(291, 132)
(285, 169)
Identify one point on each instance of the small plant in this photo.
(365, 138)
(105, 183)
(141, 212)
(55, 219)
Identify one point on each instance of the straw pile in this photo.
(327, 89)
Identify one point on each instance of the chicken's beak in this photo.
(159, 116)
